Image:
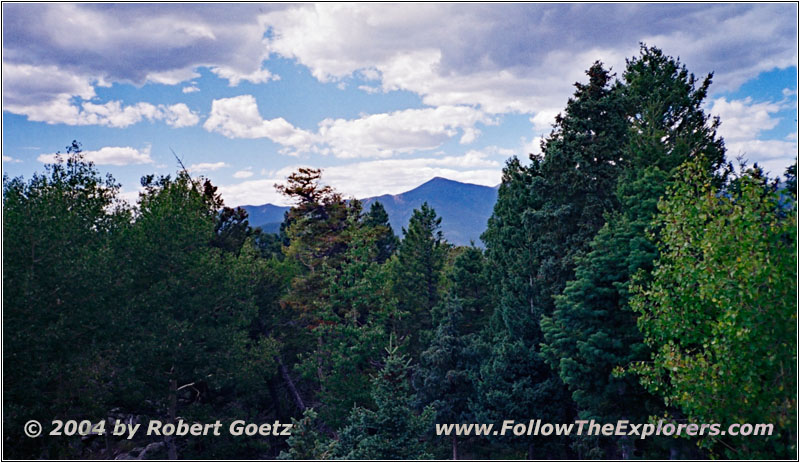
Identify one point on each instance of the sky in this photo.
(382, 97)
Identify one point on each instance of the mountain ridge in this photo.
(464, 208)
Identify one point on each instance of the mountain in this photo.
(267, 216)
(463, 207)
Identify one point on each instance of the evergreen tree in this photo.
(391, 431)
(791, 180)
(469, 282)
(545, 215)
(592, 331)
(306, 442)
(386, 241)
(356, 318)
(231, 229)
(444, 377)
(188, 304)
(315, 229)
(720, 313)
(418, 273)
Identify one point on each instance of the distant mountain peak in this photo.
(464, 208)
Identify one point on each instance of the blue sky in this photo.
(381, 96)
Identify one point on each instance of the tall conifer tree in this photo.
(593, 330)
(545, 215)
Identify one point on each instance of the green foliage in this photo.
(444, 377)
(385, 241)
(469, 281)
(544, 217)
(165, 333)
(392, 430)
(58, 305)
(306, 442)
(418, 273)
(593, 331)
(720, 313)
(791, 180)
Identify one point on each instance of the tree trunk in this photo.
(172, 451)
(290, 384)
(455, 447)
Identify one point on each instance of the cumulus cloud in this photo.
(62, 110)
(243, 174)
(190, 89)
(109, 155)
(511, 57)
(516, 57)
(207, 166)
(377, 177)
(375, 135)
(10, 159)
(53, 53)
(238, 117)
(742, 122)
(136, 42)
(744, 119)
(406, 131)
(179, 115)
(543, 121)
(234, 77)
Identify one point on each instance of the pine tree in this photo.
(391, 431)
(469, 282)
(593, 330)
(444, 377)
(386, 241)
(418, 273)
(545, 216)
(356, 316)
(306, 442)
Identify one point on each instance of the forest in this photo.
(629, 272)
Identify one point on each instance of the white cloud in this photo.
(243, 174)
(377, 177)
(26, 84)
(130, 197)
(531, 146)
(190, 89)
(772, 155)
(207, 166)
(741, 124)
(235, 77)
(179, 115)
(368, 89)
(515, 58)
(137, 43)
(406, 131)
(109, 155)
(10, 159)
(54, 53)
(543, 121)
(744, 119)
(375, 135)
(61, 110)
(238, 117)
(172, 76)
(503, 58)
